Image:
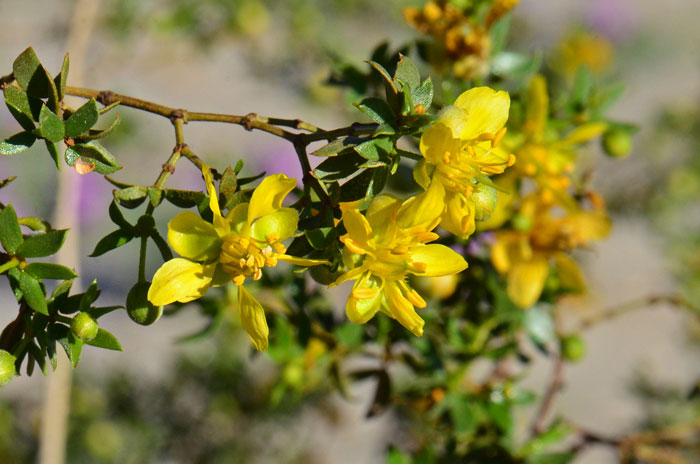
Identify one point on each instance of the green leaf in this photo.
(499, 34)
(91, 294)
(95, 155)
(321, 238)
(5, 182)
(555, 434)
(33, 293)
(74, 348)
(111, 241)
(24, 108)
(379, 148)
(40, 245)
(337, 146)
(423, 95)
(162, 246)
(539, 324)
(53, 152)
(515, 65)
(227, 188)
(184, 198)
(96, 313)
(338, 167)
(10, 233)
(83, 119)
(50, 126)
(117, 217)
(61, 290)
(461, 413)
(563, 457)
(368, 183)
(16, 144)
(583, 85)
(94, 134)
(407, 73)
(119, 184)
(155, 195)
(385, 74)
(50, 271)
(61, 80)
(130, 197)
(30, 74)
(106, 340)
(377, 109)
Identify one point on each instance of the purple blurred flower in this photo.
(617, 20)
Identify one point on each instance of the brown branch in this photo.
(632, 306)
(4, 80)
(539, 423)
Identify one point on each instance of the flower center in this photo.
(242, 256)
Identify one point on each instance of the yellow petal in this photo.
(440, 260)
(238, 219)
(422, 173)
(459, 215)
(537, 107)
(282, 222)
(402, 310)
(584, 133)
(358, 228)
(306, 262)
(268, 196)
(179, 280)
(361, 310)
(352, 274)
(193, 238)
(381, 215)
(253, 318)
(437, 140)
(219, 222)
(570, 276)
(526, 281)
(487, 111)
(422, 210)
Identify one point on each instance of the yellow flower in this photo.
(543, 154)
(233, 248)
(461, 148)
(524, 256)
(387, 244)
(583, 49)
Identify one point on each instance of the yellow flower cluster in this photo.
(458, 39)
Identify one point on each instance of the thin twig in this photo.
(631, 306)
(539, 423)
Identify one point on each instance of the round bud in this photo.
(441, 287)
(573, 347)
(485, 199)
(7, 367)
(84, 326)
(521, 222)
(617, 143)
(138, 307)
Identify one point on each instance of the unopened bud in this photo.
(573, 347)
(485, 198)
(138, 307)
(617, 143)
(84, 326)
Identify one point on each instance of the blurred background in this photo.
(274, 58)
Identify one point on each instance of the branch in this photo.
(539, 423)
(633, 305)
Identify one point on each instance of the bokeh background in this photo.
(273, 58)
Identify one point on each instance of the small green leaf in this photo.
(91, 294)
(83, 119)
(5, 182)
(106, 340)
(61, 290)
(368, 183)
(338, 167)
(94, 154)
(74, 349)
(184, 198)
(227, 188)
(583, 85)
(10, 233)
(50, 126)
(94, 134)
(385, 74)
(24, 108)
(515, 65)
(118, 184)
(337, 146)
(130, 197)
(50, 271)
(117, 217)
(30, 74)
(155, 195)
(377, 110)
(407, 73)
(162, 246)
(111, 241)
(40, 245)
(321, 238)
(423, 95)
(376, 149)
(33, 293)
(16, 144)
(96, 313)
(539, 324)
(53, 152)
(62, 78)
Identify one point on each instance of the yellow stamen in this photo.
(239, 279)
(364, 293)
(355, 248)
(399, 250)
(499, 137)
(273, 237)
(257, 275)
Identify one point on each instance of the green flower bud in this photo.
(7, 367)
(617, 143)
(138, 307)
(485, 199)
(573, 347)
(521, 222)
(84, 326)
